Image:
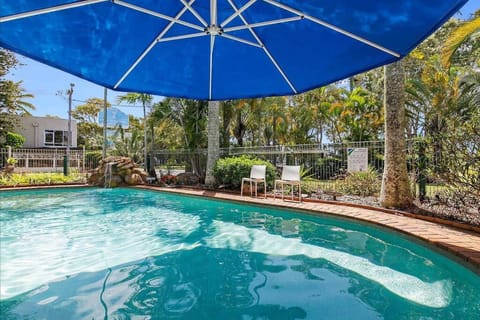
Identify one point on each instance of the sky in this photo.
(45, 82)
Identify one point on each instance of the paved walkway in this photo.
(463, 244)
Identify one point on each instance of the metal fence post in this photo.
(422, 166)
(55, 161)
(83, 160)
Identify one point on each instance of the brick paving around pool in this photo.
(462, 245)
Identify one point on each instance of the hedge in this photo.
(230, 171)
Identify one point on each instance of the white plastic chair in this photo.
(257, 175)
(291, 177)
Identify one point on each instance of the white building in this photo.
(46, 132)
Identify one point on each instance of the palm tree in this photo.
(395, 191)
(213, 152)
(12, 98)
(12, 103)
(190, 118)
(434, 99)
(458, 37)
(127, 144)
(244, 117)
(320, 101)
(145, 99)
(470, 91)
(226, 114)
(277, 118)
(362, 116)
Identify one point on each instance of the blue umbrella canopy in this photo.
(218, 49)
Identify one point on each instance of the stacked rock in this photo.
(117, 171)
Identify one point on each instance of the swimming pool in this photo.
(128, 253)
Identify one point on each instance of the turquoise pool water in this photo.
(134, 254)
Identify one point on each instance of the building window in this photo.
(55, 138)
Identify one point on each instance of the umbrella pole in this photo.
(104, 149)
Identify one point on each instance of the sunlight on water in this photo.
(123, 253)
(86, 242)
(236, 237)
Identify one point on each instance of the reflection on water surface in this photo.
(121, 254)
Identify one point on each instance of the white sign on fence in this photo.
(357, 159)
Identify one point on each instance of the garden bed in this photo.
(431, 208)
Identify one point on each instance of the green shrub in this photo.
(362, 183)
(230, 171)
(39, 178)
(12, 161)
(14, 140)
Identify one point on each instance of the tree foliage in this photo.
(128, 143)
(7, 62)
(90, 132)
(184, 115)
(443, 99)
(457, 46)
(12, 95)
(14, 140)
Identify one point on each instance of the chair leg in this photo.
(241, 188)
(251, 188)
(265, 188)
(283, 192)
(256, 188)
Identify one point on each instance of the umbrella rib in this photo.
(262, 24)
(267, 52)
(237, 12)
(49, 10)
(171, 23)
(228, 36)
(150, 47)
(185, 36)
(134, 65)
(195, 13)
(332, 27)
(157, 14)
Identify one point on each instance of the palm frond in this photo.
(457, 37)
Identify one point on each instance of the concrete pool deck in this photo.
(464, 245)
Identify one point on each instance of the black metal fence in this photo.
(325, 166)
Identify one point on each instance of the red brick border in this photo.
(463, 244)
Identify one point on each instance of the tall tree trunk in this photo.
(395, 191)
(213, 140)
